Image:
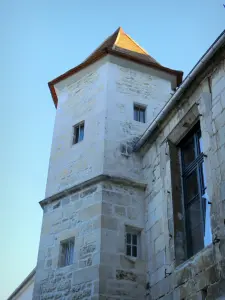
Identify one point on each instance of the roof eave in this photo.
(104, 52)
(72, 72)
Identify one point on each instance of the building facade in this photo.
(135, 196)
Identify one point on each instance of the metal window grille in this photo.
(194, 187)
(139, 113)
(67, 251)
(132, 244)
(78, 133)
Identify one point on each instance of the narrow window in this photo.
(66, 252)
(196, 203)
(78, 133)
(132, 243)
(139, 113)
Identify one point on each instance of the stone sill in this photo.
(194, 257)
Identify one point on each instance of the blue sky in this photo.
(39, 41)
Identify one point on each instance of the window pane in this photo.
(134, 239)
(207, 220)
(128, 238)
(200, 142)
(196, 242)
(142, 115)
(81, 135)
(188, 152)
(128, 250)
(76, 134)
(71, 252)
(191, 186)
(134, 251)
(193, 214)
(136, 111)
(203, 174)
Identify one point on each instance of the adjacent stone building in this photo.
(135, 197)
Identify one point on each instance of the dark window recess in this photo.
(131, 244)
(66, 252)
(78, 133)
(193, 189)
(139, 113)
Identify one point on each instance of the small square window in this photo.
(132, 243)
(139, 113)
(78, 133)
(66, 252)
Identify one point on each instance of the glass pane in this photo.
(136, 114)
(191, 186)
(203, 173)
(134, 251)
(207, 220)
(200, 142)
(134, 239)
(142, 116)
(193, 214)
(67, 255)
(128, 238)
(196, 242)
(188, 152)
(71, 252)
(81, 135)
(76, 134)
(128, 250)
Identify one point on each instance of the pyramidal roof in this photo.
(118, 44)
(119, 41)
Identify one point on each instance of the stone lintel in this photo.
(80, 186)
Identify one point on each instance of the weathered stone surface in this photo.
(97, 216)
(124, 275)
(86, 250)
(88, 191)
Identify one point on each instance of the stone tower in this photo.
(92, 243)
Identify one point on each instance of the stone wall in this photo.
(120, 276)
(77, 215)
(81, 97)
(129, 84)
(96, 217)
(202, 276)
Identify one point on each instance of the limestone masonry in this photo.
(135, 196)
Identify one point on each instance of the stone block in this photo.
(116, 198)
(86, 274)
(216, 290)
(89, 212)
(133, 213)
(156, 230)
(109, 223)
(106, 272)
(88, 191)
(65, 201)
(125, 275)
(87, 249)
(75, 197)
(106, 209)
(220, 120)
(209, 276)
(216, 109)
(160, 259)
(187, 289)
(157, 276)
(159, 243)
(182, 275)
(120, 210)
(126, 263)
